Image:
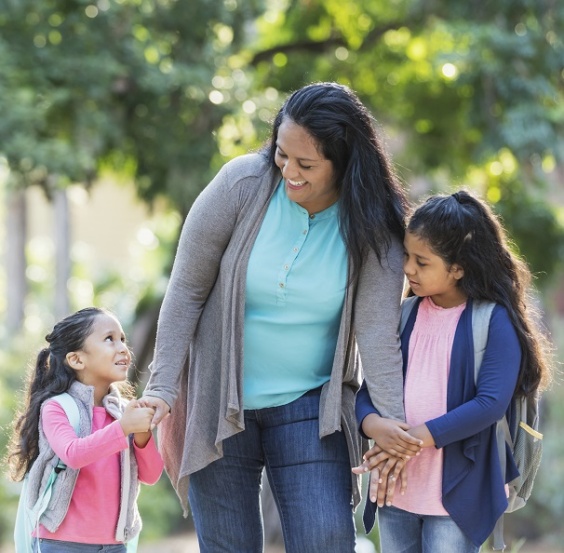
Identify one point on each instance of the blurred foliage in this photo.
(124, 84)
(162, 92)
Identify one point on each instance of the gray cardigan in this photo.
(198, 358)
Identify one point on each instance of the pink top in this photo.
(425, 398)
(94, 508)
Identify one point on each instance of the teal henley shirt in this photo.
(296, 280)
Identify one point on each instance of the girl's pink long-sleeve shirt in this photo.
(95, 503)
(425, 397)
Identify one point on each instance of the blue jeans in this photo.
(56, 546)
(404, 532)
(310, 479)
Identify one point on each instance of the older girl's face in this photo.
(309, 177)
(429, 275)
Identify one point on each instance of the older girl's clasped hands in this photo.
(387, 458)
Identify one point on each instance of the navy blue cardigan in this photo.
(473, 490)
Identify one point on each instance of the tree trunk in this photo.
(16, 239)
(62, 252)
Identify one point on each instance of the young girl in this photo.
(94, 499)
(450, 493)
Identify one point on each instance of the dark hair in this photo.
(463, 230)
(372, 202)
(50, 376)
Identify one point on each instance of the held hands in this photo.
(160, 407)
(385, 470)
(392, 436)
(136, 418)
(387, 459)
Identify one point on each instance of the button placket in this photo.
(289, 262)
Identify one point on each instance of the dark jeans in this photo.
(310, 480)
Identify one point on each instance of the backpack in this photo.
(526, 446)
(28, 519)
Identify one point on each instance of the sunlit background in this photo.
(114, 114)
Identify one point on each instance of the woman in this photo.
(287, 274)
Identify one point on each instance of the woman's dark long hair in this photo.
(372, 202)
(50, 376)
(463, 230)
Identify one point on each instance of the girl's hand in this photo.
(160, 406)
(136, 418)
(391, 436)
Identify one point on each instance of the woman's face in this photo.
(310, 178)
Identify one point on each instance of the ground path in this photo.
(187, 543)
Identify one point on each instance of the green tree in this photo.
(126, 85)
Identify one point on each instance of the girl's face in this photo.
(104, 358)
(429, 275)
(310, 178)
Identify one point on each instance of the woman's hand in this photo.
(392, 436)
(385, 470)
(160, 406)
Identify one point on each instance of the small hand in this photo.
(392, 436)
(136, 418)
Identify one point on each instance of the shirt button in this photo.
(281, 285)
(295, 249)
(286, 267)
(305, 231)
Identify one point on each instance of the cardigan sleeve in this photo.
(376, 324)
(206, 233)
(495, 387)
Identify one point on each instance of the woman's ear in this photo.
(74, 360)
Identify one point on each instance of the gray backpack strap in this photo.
(68, 403)
(481, 315)
(407, 306)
